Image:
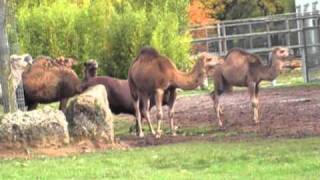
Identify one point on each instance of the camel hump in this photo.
(250, 57)
(149, 51)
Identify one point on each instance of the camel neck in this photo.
(190, 80)
(270, 73)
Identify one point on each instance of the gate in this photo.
(298, 31)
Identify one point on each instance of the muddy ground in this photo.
(285, 112)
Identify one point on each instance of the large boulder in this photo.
(39, 128)
(89, 116)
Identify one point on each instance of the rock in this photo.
(39, 128)
(89, 115)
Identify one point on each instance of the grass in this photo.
(256, 159)
(253, 158)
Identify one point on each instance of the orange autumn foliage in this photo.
(198, 14)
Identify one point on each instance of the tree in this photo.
(9, 96)
(198, 14)
(237, 9)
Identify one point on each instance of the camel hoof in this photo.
(173, 134)
(221, 128)
(141, 135)
(158, 134)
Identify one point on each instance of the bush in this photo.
(110, 31)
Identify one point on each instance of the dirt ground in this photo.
(286, 112)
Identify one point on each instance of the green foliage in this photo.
(49, 30)
(168, 29)
(112, 32)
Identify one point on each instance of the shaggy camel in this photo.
(47, 81)
(151, 74)
(17, 64)
(67, 62)
(242, 68)
(118, 90)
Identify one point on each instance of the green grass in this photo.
(256, 159)
(253, 158)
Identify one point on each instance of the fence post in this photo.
(8, 93)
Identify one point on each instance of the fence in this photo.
(298, 31)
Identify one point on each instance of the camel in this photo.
(47, 81)
(118, 90)
(151, 74)
(242, 68)
(67, 62)
(17, 64)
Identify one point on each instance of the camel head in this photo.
(281, 57)
(20, 63)
(208, 60)
(67, 62)
(90, 68)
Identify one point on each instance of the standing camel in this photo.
(242, 68)
(151, 74)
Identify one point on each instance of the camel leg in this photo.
(32, 106)
(146, 107)
(257, 104)
(138, 117)
(254, 90)
(63, 104)
(159, 98)
(171, 103)
(217, 107)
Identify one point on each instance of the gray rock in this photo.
(89, 115)
(39, 128)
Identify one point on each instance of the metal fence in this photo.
(299, 31)
(20, 100)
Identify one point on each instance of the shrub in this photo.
(110, 31)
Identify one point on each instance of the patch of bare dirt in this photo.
(284, 112)
(288, 112)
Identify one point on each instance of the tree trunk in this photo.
(8, 93)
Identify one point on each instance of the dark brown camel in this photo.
(151, 74)
(119, 97)
(242, 68)
(90, 69)
(46, 81)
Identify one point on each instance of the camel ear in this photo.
(28, 58)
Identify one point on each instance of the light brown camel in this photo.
(242, 68)
(17, 64)
(151, 74)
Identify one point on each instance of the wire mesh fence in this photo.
(20, 99)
